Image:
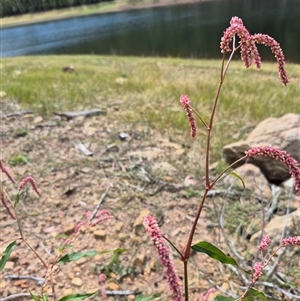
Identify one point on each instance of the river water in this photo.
(191, 30)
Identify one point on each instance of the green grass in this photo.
(150, 89)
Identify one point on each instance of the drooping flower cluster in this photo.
(186, 104)
(264, 243)
(249, 52)
(21, 185)
(5, 170)
(277, 51)
(291, 163)
(30, 180)
(152, 228)
(2, 199)
(101, 216)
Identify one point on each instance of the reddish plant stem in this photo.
(208, 185)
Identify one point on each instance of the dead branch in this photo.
(86, 113)
(110, 185)
(39, 280)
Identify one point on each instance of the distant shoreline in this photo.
(106, 7)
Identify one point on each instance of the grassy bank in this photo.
(105, 7)
(147, 90)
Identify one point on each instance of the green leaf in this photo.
(45, 297)
(6, 254)
(18, 160)
(77, 255)
(223, 298)
(213, 252)
(77, 297)
(34, 297)
(255, 293)
(146, 298)
(238, 177)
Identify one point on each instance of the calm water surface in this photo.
(192, 30)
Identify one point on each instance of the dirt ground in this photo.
(139, 171)
(135, 171)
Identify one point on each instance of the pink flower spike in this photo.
(78, 226)
(4, 170)
(153, 230)
(102, 215)
(102, 212)
(264, 243)
(186, 104)
(88, 215)
(205, 298)
(30, 180)
(277, 51)
(257, 271)
(291, 163)
(185, 101)
(237, 28)
(6, 206)
(101, 278)
(291, 241)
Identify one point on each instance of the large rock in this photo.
(283, 133)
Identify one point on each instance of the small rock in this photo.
(2, 94)
(67, 292)
(140, 218)
(112, 286)
(131, 297)
(37, 119)
(77, 281)
(100, 234)
(119, 226)
(9, 265)
(69, 229)
(139, 260)
(3, 283)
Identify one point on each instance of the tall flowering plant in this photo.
(249, 55)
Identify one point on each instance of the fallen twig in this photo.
(81, 147)
(15, 114)
(101, 200)
(92, 112)
(39, 280)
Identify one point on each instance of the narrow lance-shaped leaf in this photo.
(223, 298)
(146, 298)
(238, 177)
(213, 252)
(6, 254)
(77, 255)
(77, 297)
(35, 297)
(255, 293)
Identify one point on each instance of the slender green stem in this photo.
(28, 245)
(175, 248)
(225, 170)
